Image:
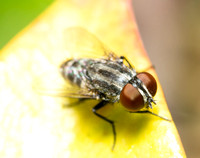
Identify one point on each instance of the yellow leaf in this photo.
(34, 125)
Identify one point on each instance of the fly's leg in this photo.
(149, 112)
(150, 67)
(99, 106)
(124, 58)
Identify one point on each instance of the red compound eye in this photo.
(131, 98)
(149, 81)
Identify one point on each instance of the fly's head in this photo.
(139, 92)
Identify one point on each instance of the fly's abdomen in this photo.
(74, 71)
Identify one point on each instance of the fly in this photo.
(109, 79)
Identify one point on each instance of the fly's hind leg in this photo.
(99, 106)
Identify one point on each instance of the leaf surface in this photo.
(35, 125)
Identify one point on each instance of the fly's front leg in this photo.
(99, 106)
(149, 112)
(124, 58)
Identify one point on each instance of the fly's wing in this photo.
(80, 43)
(54, 85)
(83, 44)
(68, 93)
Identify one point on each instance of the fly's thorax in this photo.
(108, 77)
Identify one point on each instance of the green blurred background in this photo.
(171, 34)
(15, 15)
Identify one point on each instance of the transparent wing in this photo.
(80, 43)
(83, 44)
(68, 93)
(54, 85)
